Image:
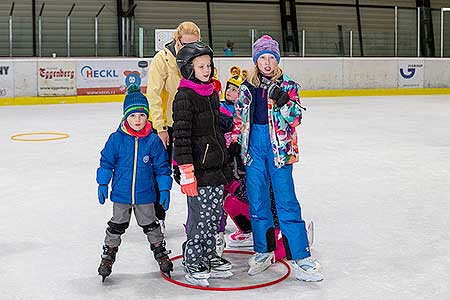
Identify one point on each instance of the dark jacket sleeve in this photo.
(161, 164)
(225, 123)
(182, 128)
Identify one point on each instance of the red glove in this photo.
(188, 181)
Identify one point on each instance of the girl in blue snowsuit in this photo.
(267, 113)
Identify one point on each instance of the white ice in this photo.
(374, 177)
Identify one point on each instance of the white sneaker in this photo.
(307, 269)
(240, 239)
(220, 244)
(260, 262)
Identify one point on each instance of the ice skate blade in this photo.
(221, 274)
(195, 281)
(255, 271)
(309, 277)
(232, 244)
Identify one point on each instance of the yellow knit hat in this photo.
(236, 78)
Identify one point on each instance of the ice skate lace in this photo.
(260, 257)
(306, 263)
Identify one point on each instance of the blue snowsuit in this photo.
(261, 168)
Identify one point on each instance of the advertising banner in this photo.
(109, 77)
(410, 73)
(56, 78)
(6, 80)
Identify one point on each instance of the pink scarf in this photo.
(205, 89)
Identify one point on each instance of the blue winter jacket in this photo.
(135, 165)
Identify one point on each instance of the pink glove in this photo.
(188, 181)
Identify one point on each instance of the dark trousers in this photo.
(159, 211)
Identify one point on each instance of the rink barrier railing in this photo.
(84, 80)
(304, 94)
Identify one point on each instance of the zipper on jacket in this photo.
(214, 127)
(133, 185)
(206, 152)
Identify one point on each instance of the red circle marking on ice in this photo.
(238, 288)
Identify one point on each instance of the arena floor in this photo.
(374, 177)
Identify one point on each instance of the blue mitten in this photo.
(102, 193)
(164, 199)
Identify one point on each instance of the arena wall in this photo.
(62, 80)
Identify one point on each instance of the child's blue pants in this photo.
(258, 173)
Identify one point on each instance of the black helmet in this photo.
(190, 51)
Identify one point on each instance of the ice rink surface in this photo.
(374, 177)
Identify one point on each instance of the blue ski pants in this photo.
(260, 169)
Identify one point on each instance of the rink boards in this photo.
(81, 80)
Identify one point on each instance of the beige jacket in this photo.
(163, 80)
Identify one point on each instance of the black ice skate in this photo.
(220, 267)
(197, 273)
(108, 259)
(162, 257)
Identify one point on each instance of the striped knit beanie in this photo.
(135, 101)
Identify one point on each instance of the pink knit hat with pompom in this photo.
(266, 44)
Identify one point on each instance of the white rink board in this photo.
(25, 77)
(311, 73)
(315, 74)
(363, 73)
(6, 79)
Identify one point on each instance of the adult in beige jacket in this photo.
(163, 80)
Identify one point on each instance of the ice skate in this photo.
(307, 269)
(220, 244)
(240, 239)
(162, 257)
(197, 274)
(108, 259)
(260, 262)
(220, 267)
(310, 233)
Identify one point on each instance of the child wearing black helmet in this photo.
(201, 154)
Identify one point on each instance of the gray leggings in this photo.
(145, 217)
(204, 216)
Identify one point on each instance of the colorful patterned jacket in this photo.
(282, 122)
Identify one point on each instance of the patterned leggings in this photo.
(204, 215)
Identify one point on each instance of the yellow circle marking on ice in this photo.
(58, 136)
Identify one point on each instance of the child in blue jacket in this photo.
(136, 160)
